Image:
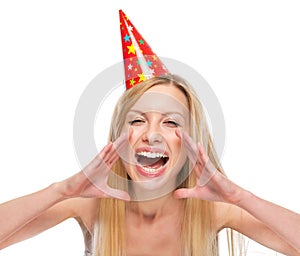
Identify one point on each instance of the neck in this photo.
(156, 208)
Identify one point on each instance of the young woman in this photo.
(156, 189)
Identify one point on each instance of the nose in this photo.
(152, 135)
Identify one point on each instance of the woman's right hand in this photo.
(28, 215)
(92, 180)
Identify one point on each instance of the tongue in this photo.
(153, 163)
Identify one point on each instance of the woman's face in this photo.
(157, 153)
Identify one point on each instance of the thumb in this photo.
(116, 193)
(184, 193)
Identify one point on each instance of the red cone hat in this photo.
(140, 62)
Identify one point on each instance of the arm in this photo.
(26, 216)
(270, 224)
(15, 214)
(282, 221)
(48, 218)
(232, 216)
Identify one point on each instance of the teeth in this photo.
(150, 170)
(151, 154)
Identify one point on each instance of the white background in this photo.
(248, 51)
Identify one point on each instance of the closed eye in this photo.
(171, 123)
(136, 122)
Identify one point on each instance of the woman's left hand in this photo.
(265, 222)
(211, 185)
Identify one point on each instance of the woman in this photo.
(168, 194)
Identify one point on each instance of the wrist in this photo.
(71, 187)
(245, 197)
(58, 189)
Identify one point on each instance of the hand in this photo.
(211, 185)
(92, 180)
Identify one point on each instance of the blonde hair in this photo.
(198, 230)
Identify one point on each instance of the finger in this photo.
(202, 155)
(125, 136)
(116, 193)
(187, 139)
(119, 141)
(190, 146)
(104, 191)
(106, 149)
(194, 147)
(99, 157)
(113, 155)
(124, 148)
(178, 132)
(99, 182)
(198, 168)
(201, 150)
(98, 169)
(209, 172)
(110, 155)
(196, 153)
(185, 193)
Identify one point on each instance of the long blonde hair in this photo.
(198, 230)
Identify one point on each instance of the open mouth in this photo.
(151, 163)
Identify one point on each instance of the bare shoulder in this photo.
(232, 216)
(85, 210)
(82, 209)
(226, 215)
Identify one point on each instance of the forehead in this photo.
(162, 98)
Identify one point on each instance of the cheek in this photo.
(136, 134)
(171, 136)
(134, 131)
(176, 145)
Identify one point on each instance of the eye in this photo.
(136, 122)
(171, 123)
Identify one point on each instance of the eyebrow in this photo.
(164, 113)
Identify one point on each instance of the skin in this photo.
(154, 223)
(154, 129)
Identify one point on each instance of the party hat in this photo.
(140, 62)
